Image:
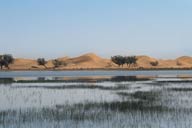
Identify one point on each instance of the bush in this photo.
(154, 63)
(56, 63)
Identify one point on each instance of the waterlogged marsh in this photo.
(147, 100)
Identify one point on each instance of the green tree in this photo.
(6, 60)
(42, 61)
(133, 60)
(128, 61)
(119, 60)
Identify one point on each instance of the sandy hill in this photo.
(92, 61)
(63, 58)
(21, 63)
(89, 60)
(168, 64)
(144, 61)
(185, 61)
(28, 64)
(182, 62)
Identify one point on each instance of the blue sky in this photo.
(56, 28)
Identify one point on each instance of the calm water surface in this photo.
(96, 99)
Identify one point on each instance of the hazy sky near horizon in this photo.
(56, 28)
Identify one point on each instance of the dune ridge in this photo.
(93, 61)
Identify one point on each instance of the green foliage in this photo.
(131, 60)
(121, 60)
(6, 60)
(42, 61)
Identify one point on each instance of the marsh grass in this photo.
(157, 104)
(181, 89)
(126, 114)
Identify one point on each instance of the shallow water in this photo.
(154, 99)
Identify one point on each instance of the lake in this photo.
(96, 99)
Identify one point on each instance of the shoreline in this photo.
(99, 69)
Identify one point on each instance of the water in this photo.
(97, 99)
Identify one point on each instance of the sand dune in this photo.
(28, 64)
(144, 61)
(89, 60)
(21, 63)
(184, 61)
(92, 61)
(168, 64)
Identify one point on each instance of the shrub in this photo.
(56, 63)
(154, 63)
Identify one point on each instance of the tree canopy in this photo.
(121, 60)
(42, 61)
(6, 60)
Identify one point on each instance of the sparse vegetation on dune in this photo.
(154, 63)
(56, 63)
(93, 62)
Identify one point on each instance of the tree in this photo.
(119, 60)
(6, 60)
(42, 61)
(133, 60)
(128, 61)
(56, 63)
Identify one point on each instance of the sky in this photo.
(57, 28)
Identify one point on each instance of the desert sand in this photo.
(92, 61)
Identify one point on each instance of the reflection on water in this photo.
(6, 80)
(73, 79)
(96, 101)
